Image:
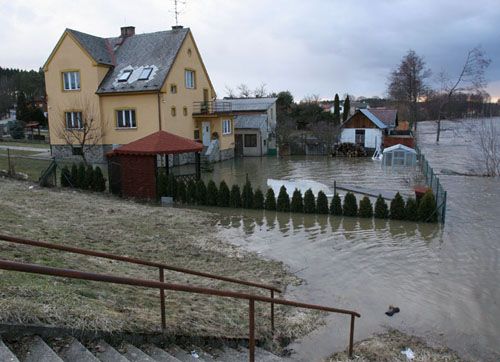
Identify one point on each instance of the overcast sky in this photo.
(309, 47)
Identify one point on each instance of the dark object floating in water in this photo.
(392, 310)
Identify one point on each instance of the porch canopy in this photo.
(132, 168)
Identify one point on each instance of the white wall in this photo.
(373, 136)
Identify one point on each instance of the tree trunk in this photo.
(438, 133)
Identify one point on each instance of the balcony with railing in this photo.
(211, 108)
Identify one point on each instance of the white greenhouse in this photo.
(399, 156)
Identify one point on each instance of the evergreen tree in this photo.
(350, 205)
(89, 178)
(309, 202)
(162, 183)
(99, 183)
(212, 193)
(181, 192)
(247, 195)
(336, 108)
(22, 109)
(235, 197)
(201, 193)
(191, 192)
(297, 204)
(270, 203)
(347, 108)
(224, 195)
(16, 130)
(365, 207)
(411, 209)
(258, 199)
(336, 205)
(283, 202)
(171, 188)
(65, 177)
(322, 203)
(74, 175)
(427, 208)
(381, 211)
(397, 209)
(81, 176)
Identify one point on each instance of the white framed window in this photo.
(146, 72)
(125, 118)
(189, 76)
(125, 75)
(73, 120)
(71, 80)
(226, 126)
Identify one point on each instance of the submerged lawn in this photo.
(185, 238)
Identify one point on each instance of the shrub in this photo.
(171, 187)
(201, 193)
(81, 176)
(381, 211)
(89, 178)
(309, 202)
(247, 195)
(65, 177)
(74, 175)
(350, 205)
(162, 183)
(270, 203)
(365, 207)
(397, 209)
(99, 183)
(235, 197)
(336, 205)
(297, 204)
(411, 209)
(322, 203)
(283, 202)
(191, 192)
(181, 192)
(212, 193)
(427, 208)
(258, 199)
(224, 195)
(16, 130)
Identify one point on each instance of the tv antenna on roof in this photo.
(178, 12)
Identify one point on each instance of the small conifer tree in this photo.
(427, 208)
(397, 209)
(65, 177)
(235, 197)
(162, 183)
(336, 205)
(258, 199)
(212, 193)
(201, 193)
(99, 183)
(297, 204)
(411, 209)
(74, 175)
(283, 202)
(89, 178)
(181, 192)
(309, 202)
(270, 203)
(365, 207)
(381, 211)
(81, 176)
(191, 192)
(350, 207)
(322, 203)
(247, 195)
(224, 195)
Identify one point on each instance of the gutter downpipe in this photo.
(159, 112)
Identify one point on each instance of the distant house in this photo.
(368, 127)
(254, 126)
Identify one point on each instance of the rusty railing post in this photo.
(162, 301)
(251, 334)
(351, 336)
(272, 312)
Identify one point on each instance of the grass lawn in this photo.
(180, 237)
(25, 144)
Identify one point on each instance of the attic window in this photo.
(125, 75)
(146, 72)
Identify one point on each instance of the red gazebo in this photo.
(133, 168)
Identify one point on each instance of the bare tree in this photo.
(489, 144)
(260, 91)
(230, 93)
(470, 79)
(327, 132)
(313, 98)
(82, 128)
(244, 91)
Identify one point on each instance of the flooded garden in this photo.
(444, 278)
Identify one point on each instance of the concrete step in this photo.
(105, 353)
(182, 354)
(201, 353)
(6, 354)
(159, 354)
(76, 351)
(232, 355)
(39, 351)
(134, 354)
(261, 355)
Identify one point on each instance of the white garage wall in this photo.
(373, 136)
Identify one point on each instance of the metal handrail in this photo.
(160, 266)
(76, 274)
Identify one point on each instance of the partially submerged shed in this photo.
(133, 168)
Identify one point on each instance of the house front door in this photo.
(206, 133)
(360, 137)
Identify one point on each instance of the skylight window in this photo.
(125, 75)
(146, 72)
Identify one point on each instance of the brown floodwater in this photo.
(444, 278)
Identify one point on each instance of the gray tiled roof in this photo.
(251, 121)
(250, 104)
(98, 48)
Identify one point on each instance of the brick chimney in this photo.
(127, 31)
(177, 27)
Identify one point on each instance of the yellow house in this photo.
(106, 92)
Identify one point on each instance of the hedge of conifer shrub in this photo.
(309, 202)
(235, 197)
(427, 208)
(336, 205)
(283, 202)
(365, 207)
(350, 207)
(322, 203)
(83, 177)
(224, 195)
(258, 199)
(270, 203)
(397, 209)
(297, 204)
(212, 194)
(381, 210)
